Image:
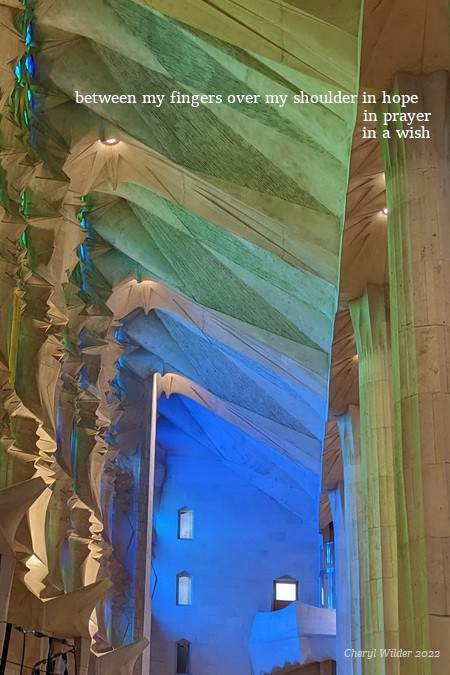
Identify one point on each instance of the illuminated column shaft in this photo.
(379, 553)
(419, 252)
(143, 609)
(336, 497)
(348, 580)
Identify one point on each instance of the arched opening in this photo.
(185, 523)
(184, 588)
(183, 656)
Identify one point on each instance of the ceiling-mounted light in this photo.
(110, 140)
(385, 210)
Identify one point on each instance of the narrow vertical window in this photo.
(183, 588)
(327, 575)
(183, 656)
(185, 523)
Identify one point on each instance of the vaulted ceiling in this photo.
(232, 213)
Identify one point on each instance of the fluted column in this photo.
(417, 176)
(349, 618)
(379, 552)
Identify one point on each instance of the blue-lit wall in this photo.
(243, 540)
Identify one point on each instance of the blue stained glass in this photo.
(327, 576)
(84, 382)
(331, 590)
(18, 70)
(73, 448)
(66, 563)
(28, 35)
(29, 64)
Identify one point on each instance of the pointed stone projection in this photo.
(65, 616)
(119, 661)
(14, 503)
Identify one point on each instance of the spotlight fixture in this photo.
(110, 140)
(385, 210)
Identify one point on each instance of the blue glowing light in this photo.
(28, 35)
(59, 432)
(18, 70)
(81, 215)
(29, 64)
(66, 563)
(30, 99)
(73, 448)
(83, 252)
(327, 576)
(84, 382)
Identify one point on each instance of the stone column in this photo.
(349, 619)
(379, 551)
(417, 176)
(143, 602)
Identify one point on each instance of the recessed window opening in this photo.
(185, 523)
(184, 588)
(285, 591)
(183, 656)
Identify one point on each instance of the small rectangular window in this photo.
(183, 654)
(285, 590)
(185, 523)
(183, 589)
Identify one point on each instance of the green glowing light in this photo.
(24, 205)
